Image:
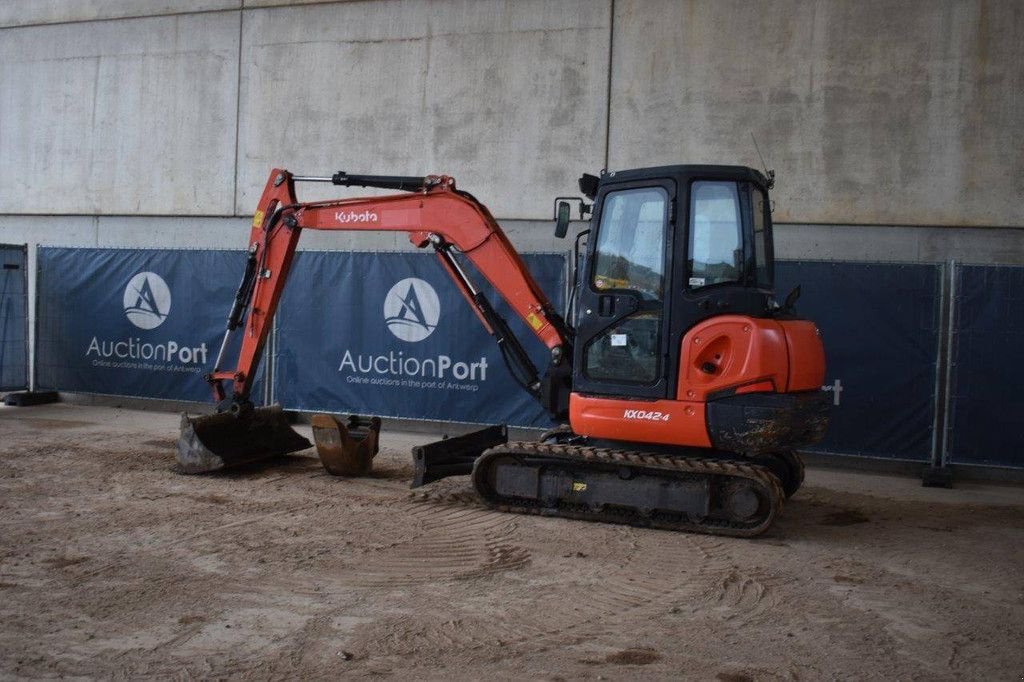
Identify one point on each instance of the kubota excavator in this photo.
(682, 386)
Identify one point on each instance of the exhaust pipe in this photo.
(222, 441)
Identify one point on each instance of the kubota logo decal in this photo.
(147, 300)
(353, 217)
(644, 414)
(412, 309)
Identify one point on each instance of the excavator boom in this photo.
(434, 214)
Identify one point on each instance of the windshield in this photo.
(630, 251)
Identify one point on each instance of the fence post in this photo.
(14, 269)
(938, 474)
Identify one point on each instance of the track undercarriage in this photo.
(564, 476)
(721, 497)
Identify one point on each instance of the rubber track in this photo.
(686, 465)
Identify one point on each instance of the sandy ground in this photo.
(113, 566)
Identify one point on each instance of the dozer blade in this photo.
(221, 441)
(346, 447)
(454, 456)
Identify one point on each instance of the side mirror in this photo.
(562, 219)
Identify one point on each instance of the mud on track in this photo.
(111, 565)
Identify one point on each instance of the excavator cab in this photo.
(676, 315)
(670, 246)
(691, 388)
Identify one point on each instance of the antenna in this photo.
(770, 174)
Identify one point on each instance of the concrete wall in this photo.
(184, 114)
(508, 96)
(135, 116)
(33, 12)
(871, 111)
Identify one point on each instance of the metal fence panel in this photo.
(389, 334)
(160, 308)
(986, 420)
(880, 326)
(133, 322)
(13, 317)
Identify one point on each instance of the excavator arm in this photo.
(434, 214)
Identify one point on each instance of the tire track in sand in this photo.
(456, 543)
(652, 570)
(440, 544)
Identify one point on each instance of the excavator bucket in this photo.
(346, 447)
(225, 440)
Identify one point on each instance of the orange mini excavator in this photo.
(682, 386)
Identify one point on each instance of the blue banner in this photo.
(986, 420)
(13, 318)
(389, 334)
(879, 323)
(144, 322)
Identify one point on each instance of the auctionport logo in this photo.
(147, 300)
(411, 312)
(412, 309)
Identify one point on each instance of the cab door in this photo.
(728, 253)
(622, 344)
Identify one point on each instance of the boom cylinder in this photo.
(405, 183)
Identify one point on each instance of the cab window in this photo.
(627, 351)
(716, 234)
(630, 251)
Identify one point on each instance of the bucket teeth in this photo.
(221, 441)
(346, 446)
